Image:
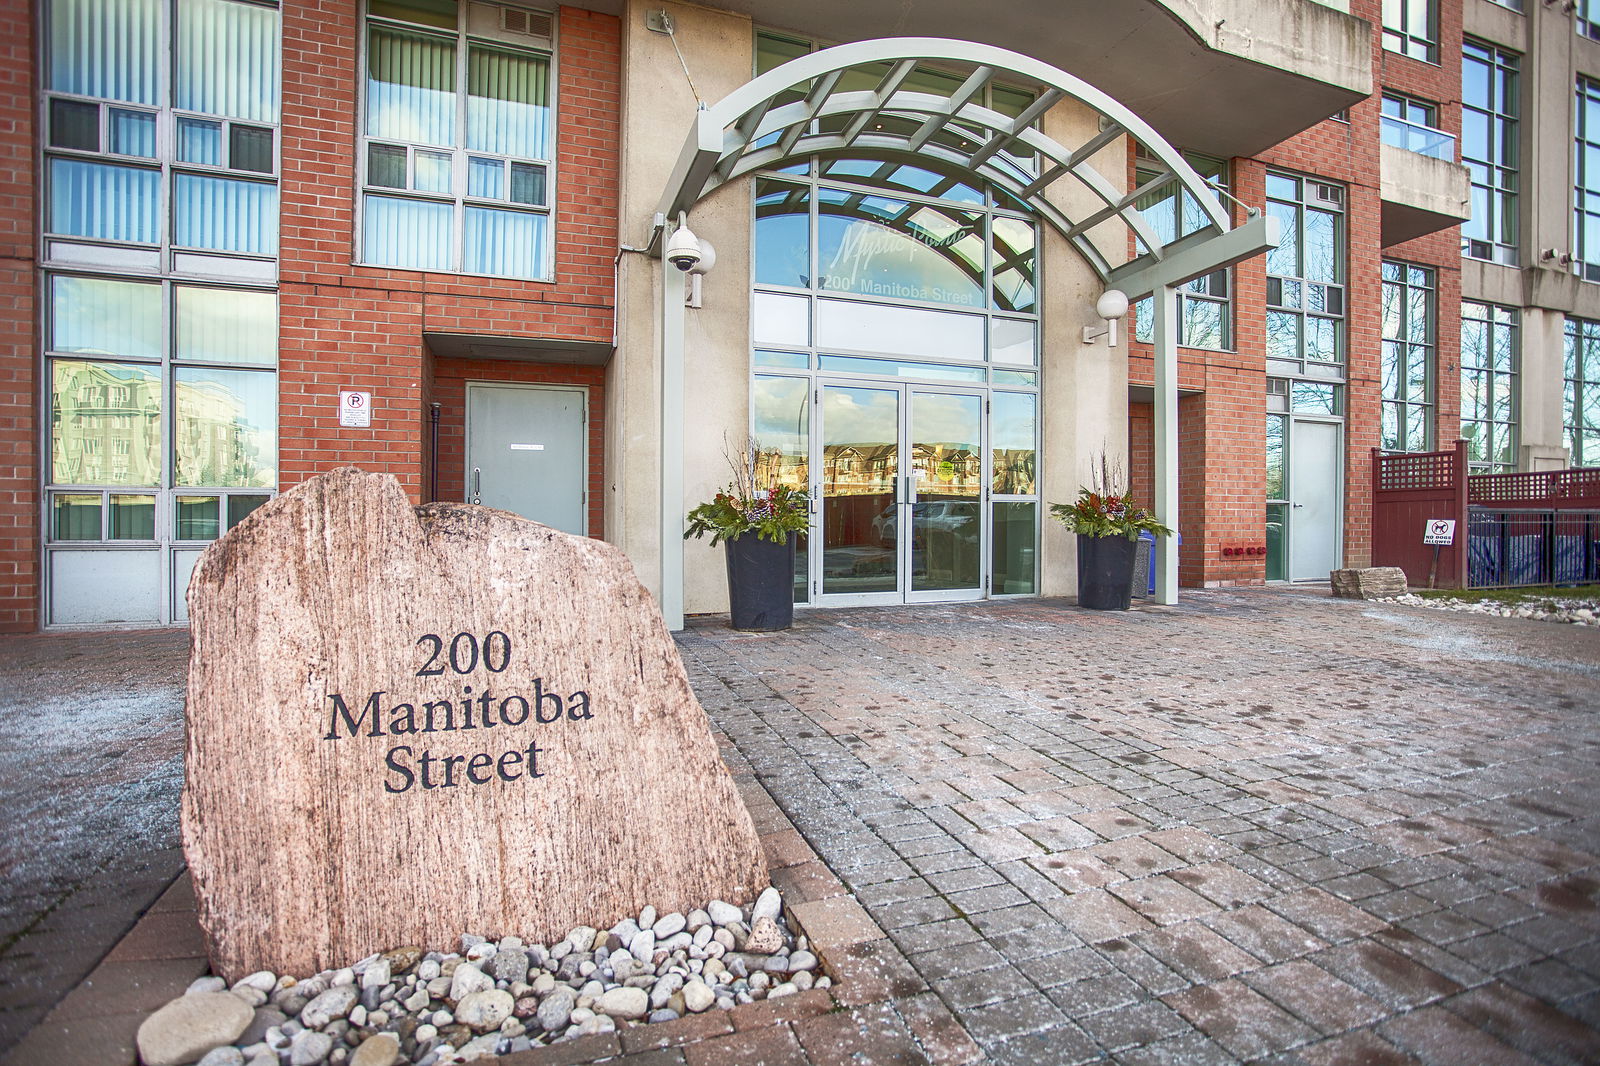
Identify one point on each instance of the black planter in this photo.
(760, 583)
(1105, 572)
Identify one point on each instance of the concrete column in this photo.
(1541, 438)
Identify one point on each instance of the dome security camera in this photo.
(683, 249)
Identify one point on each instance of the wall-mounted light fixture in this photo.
(1111, 306)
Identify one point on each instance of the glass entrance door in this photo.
(901, 478)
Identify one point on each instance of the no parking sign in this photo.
(355, 408)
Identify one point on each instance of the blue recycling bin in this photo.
(1144, 564)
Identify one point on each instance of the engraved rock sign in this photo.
(405, 724)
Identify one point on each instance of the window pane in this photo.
(486, 178)
(1016, 531)
(74, 125)
(1203, 323)
(432, 172)
(104, 201)
(225, 433)
(1013, 341)
(250, 148)
(133, 132)
(225, 214)
(133, 517)
(226, 59)
(106, 48)
(227, 325)
(239, 507)
(508, 103)
(105, 424)
(200, 141)
(386, 166)
(1013, 264)
(792, 360)
(411, 79)
(783, 234)
(506, 243)
(1275, 456)
(1013, 434)
(96, 316)
(527, 184)
(75, 517)
(1283, 335)
(195, 518)
(878, 246)
(441, 13)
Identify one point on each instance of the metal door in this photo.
(1316, 468)
(527, 453)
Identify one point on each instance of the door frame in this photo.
(1339, 425)
(903, 593)
(467, 441)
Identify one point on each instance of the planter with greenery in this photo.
(1108, 525)
(759, 528)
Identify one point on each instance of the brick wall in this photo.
(19, 387)
(352, 326)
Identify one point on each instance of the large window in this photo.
(1587, 19)
(1411, 27)
(1305, 276)
(1407, 374)
(456, 158)
(1413, 124)
(1490, 358)
(1581, 403)
(1204, 306)
(1489, 106)
(181, 152)
(1586, 181)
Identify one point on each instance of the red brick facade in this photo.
(19, 392)
(1222, 415)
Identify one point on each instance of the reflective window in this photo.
(905, 250)
(459, 129)
(1581, 398)
(1305, 272)
(1411, 27)
(105, 423)
(1586, 179)
(1013, 437)
(224, 80)
(1490, 104)
(1406, 372)
(1490, 364)
(1413, 124)
(1205, 317)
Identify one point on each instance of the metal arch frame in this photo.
(719, 149)
(721, 144)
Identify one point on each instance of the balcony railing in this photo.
(1424, 140)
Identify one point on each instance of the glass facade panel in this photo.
(240, 506)
(508, 105)
(132, 132)
(227, 325)
(225, 214)
(225, 430)
(780, 431)
(411, 87)
(1490, 106)
(132, 517)
(1581, 398)
(1013, 437)
(1406, 372)
(104, 201)
(105, 48)
(196, 518)
(226, 60)
(506, 243)
(105, 423)
(102, 316)
(74, 516)
(200, 141)
(1015, 548)
(412, 234)
(879, 246)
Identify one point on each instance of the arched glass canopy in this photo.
(862, 99)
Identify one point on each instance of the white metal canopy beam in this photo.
(750, 130)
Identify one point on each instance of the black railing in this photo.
(1534, 547)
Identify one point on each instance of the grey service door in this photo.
(1316, 514)
(526, 452)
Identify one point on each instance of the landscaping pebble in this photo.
(490, 997)
(1582, 611)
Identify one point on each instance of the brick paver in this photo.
(1262, 825)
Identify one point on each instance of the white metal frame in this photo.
(583, 394)
(748, 130)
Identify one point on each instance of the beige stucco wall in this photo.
(1083, 403)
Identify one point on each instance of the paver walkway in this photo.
(1262, 826)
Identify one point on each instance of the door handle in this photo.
(477, 485)
(1296, 505)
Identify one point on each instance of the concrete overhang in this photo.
(518, 349)
(1223, 77)
(1421, 195)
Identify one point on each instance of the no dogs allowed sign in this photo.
(1440, 531)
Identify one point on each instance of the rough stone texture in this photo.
(295, 840)
(190, 1026)
(1368, 583)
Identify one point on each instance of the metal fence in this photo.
(1510, 548)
